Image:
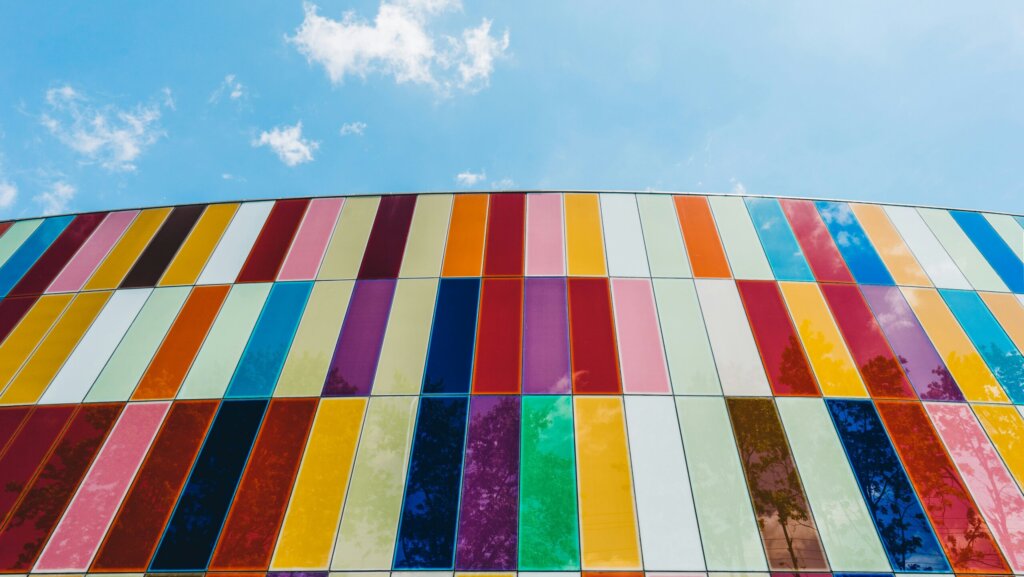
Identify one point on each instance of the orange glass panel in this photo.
(123, 255)
(463, 256)
(707, 258)
(1010, 314)
(1005, 427)
(890, 246)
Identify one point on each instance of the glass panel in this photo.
(583, 237)
(50, 264)
(777, 238)
(271, 246)
(926, 247)
(890, 246)
(24, 339)
(127, 250)
(962, 250)
(545, 235)
(741, 243)
(853, 244)
(92, 253)
(625, 247)
(310, 354)
(702, 243)
(546, 337)
(1005, 427)
(229, 257)
(427, 234)
(310, 242)
(15, 236)
(687, 349)
(362, 334)
(345, 251)
(739, 365)
(1011, 232)
(639, 339)
(384, 249)
(33, 247)
(663, 237)
(499, 337)
(161, 249)
(595, 365)
(464, 252)
(995, 250)
(506, 233)
(27, 450)
(815, 241)
(404, 354)
(1010, 313)
(450, 356)
(784, 358)
(199, 245)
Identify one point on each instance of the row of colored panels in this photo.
(512, 482)
(502, 574)
(619, 235)
(512, 335)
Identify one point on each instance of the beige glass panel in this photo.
(400, 369)
(312, 349)
(345, 251)
(663, 237)
(742, 245)
(424, 250)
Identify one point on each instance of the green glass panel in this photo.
(662, 236)
(690, 363)
(12, 239)
(742, 245)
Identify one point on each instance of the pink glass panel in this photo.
(310, 243)
(641, 354)
(545, 238)
(92, 252)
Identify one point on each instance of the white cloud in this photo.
(738, 187)
(56, 199)
(400, 43)
(105, 134)
(357, 128)
(467, 178)
(8, 194)
(231, 88)
(288, 144)
(234, 177)
(503, 184)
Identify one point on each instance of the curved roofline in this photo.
(523, 190)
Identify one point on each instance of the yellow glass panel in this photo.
(122, 257)
(584, 241)
(608, 526)
(826, 350)
(1010, 314)
(30, 330)
(199, 245)
(307, 536)
(33, 379)
(890, 246)
(1005, 427)
(963, 361)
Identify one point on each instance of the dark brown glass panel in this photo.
(41, 505)
(26, 451)
(10, 421)
(136, 530)
(271, 246)
(42, 273)
(161, 249)
(11, 311)
(249, 534)
(595, 359)
(784, 357)
(4, 226)
(386, 245)
(783, 515)
(506, 233)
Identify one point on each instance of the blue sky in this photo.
(115, 104)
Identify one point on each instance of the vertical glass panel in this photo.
(32, 328)
(271, 246)
(739, 365)
(369, 524)
(668, 523)
(127, 250)
(702, 243)
(663, 237)
(404, 353)
(191, 258)
(627, 256)
(311, 521)
(92, 253)
(464, 252)
(545, 235)
(690, 361)
(33, 247)
(992, 246)
(348, 242)
(426, 534)
(15, 236)
(450, 356)
(546, 337)
(499, 337)
(741, 243)
(548, 521)
(1011, 232)
(362, 334)
(227, 260)
(783, 356)
(161, 249)
(962, 250)
(728, 529)
(787, 528)
(310, 242)
(842, 517)
(386, 245)
(815, 241)
(310, 354)
(853, 243)
(1005, 427)
(506, 235)
(777, 238)
(27, 450)
(920, 360)
(583, 237)
(488, 524)
(890, 246)
(906, 535)
(929, 252)
(595, 364)
(427, 233)
(57, 255)
(1010, 313)
(639, 339)
(608, 527)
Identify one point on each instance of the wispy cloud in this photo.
(288, 144)
(232, 177)
(8, 194)
(231, 89)
(350, 128)
(468, 178)
(503, 184)
(57, 199)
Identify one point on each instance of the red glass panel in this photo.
(271, 246)
(11, 311)
(499, 338)
(877, 364)
(26, 451)
(41, 505)
(959, 526)
(506, 231)
(595, 359)
(4, 226)
(49, 265)
(783, 355)
(10, 421)
(386, 245)
(161, 249)
(133, 536)
(816, 242)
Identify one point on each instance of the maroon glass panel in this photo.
(816, 242)
(882, 373)
(162, 248)
(49, 265)
(42, 503)
(506, 233)
(275, 238)
(4, 226)
(27, 450)
(136, 530)
(595, 359)
(247, 540)
(386, 245)
(11, 311)
(783, 355)
(499, 336)
(958, 524)
(10, 421)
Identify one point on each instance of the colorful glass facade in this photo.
(542, 383)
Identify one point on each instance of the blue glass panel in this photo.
(1001, 356)
(906, 535)
(30, 250)
(426, 533)
(996, 251)
(257, 372)
(450, 356)
(860, 256)
(196, 523)
(780, 245)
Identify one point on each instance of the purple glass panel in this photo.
(489, 516)
(362, 335)
(297, 574)
(920, 361)
(546, 337)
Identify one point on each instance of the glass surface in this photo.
(200, 244)
(228, 259)
(777, 238)
(26, 450)
(499, 337)
(1005, 427)
(344, 253)
(32, 328)
(124, 254)
(92, 253)
(816, 243)
(662, 237)
(962, 250)
(584, 240)
(164, 245)
(739, 365)
(890, 245)
(463, 255)
(926, 248)
(545, 235)
(404, 353)
(59, 253)
(427, 234)
(311, 350)
(11, 312)
(362, 334)
(595, 365)
(687, 349)
(22, 259)
(860, 256)
(271, 246)
(783, 356)
(310, 243)
(546, 337)
(1009, 312)
(450, 356)
(707, 258)
(383, 255)
(1008, 229)
(506, 235)
(15, 236)
(641, 353)
(746, 256)
(624, 238)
